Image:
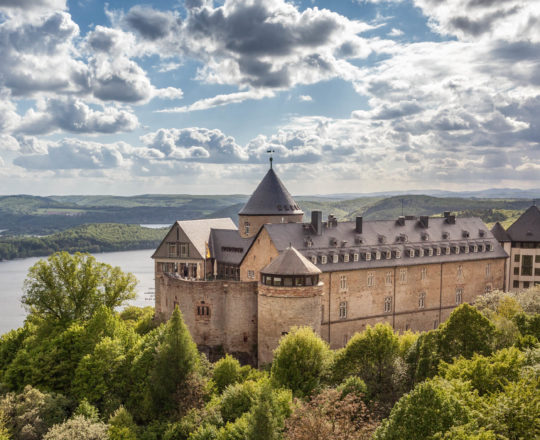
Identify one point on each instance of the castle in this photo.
(240, 290)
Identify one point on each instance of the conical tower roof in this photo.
(271, 198)
(291, 262)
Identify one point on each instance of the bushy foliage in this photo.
(122, 426)
(226, 372)
(79, 428)
(237, 399)
(87, 410)
(301, 361)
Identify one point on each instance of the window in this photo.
(184, 250)
(438, 251)
(377, 255)
(370, 279)
(526, 265)
(411, 253)
(398, 253)
(430, 252)
(277, 281)
(388, 255)
(537, 271)
(345, 258)
(515, 285)
(314, 259)
(537, 259)
(355, 257)
(246, 228)
(475, 248)
(203, 310)
(423, 274)
(422, 300)
(368, 256)
(388, 304)
(526, 284)
(322, 312)
(172, 250)
(460, 271)
(459, 295)
(447, 250)
(343, 310)
(343, 282)
(516, 270)
(251, 274)
(335, 258)
(323, 259)
(421, 252)
(488, 270)
(388, 279)
(403, 275)
(435, 324)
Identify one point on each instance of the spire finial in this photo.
(271, 152)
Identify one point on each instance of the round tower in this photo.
(269, 203)
(289, 295)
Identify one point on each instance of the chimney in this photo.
(316, 221)
(451, 219)
(358, 225)
(424, 220)
(401, 220)
(446, 214)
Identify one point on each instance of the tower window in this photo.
(251, 274)
(459, 295)
(422, 300)
(246, 227)
(343, 282)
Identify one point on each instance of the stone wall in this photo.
(231, 322)
(260, 254)
(281, 308)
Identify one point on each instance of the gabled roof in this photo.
(227, 246)
(291, 262)
(198, 231)
(499, 233)
(527, 227)
(270, 198)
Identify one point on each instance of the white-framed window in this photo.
(466, 248)
(323, 259)
(246, 228)
(368, 256)
(355, 256)
(388, 278)
(438, 251)
(403, 275)
(430, 252)
(343, 310)
(378, 255)
(388, 304)
(335, 258)
(398, 253)
(422, 300)
(251, 274)
(371, 279)
(343, 282)
(421, 252)
(411, 253)
(345, 258)
(314, 259)
(447, 250)
(423, 274)
(488, 270)
(388, 255)
(475, 248)
(459, 295)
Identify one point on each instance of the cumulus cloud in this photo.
(192, 144)
(32, 5)
(305, 98)
(75, 116)
(150, 23)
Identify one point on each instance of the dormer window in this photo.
(456, 249)
(378, 255)
(411, 253)
(466, 248)
(368, 256)
(388, 255)
(345, 258)
(355, 256)
(438, 251)
(447, 250)
(430, 252)
(323, 259)
(398, 253)
(421, 252)
(490, 247)
(335, 258)
(475, 248)
(314, 259)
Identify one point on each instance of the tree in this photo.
(371, 355)
(66, 288)
(4, 433)
(176, 363)
(122, 426)
(226, 372)
(237, 399)
(79, 428)
(331, 416)
(300, 361)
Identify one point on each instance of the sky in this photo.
(187, 96)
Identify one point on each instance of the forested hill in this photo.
(104, 237)
(47, 215)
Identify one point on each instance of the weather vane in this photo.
(271, 152)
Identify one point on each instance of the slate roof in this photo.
(527, 227)
(291, 262)
(227, 246)
(499, 233)
(382, 235)
(270, 198)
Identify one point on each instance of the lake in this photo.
(13, 274)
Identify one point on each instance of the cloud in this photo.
(395, 33)
(75, 116)
(305, 98)
(32, 5)
(150, 23)
(220, 100)
(74, 154)
(192, 144)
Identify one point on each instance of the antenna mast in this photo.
(271, 152)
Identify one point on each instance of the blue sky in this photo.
(187, 96)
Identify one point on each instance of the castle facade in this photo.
(241, 289)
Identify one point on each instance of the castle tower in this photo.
(270, 203)
(289, 295)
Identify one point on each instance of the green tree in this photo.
(301, 361)
(432, 407)
(237, 399)
(87, 410)
(79, 428)
(66, 288)
(4, 433)
(371, 355)
(226, 372)
(176, 360)
(122, 426)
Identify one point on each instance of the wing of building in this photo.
(241, 290)
(522, 243)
